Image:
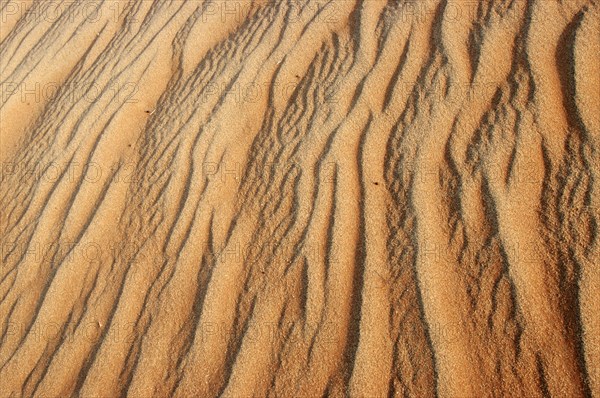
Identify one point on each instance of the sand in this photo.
(345, 198)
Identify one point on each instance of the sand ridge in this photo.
(299, 198)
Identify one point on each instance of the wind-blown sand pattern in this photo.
(361, 198)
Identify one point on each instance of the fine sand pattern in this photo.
(363, 198)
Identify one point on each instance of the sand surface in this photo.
(344, 198)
